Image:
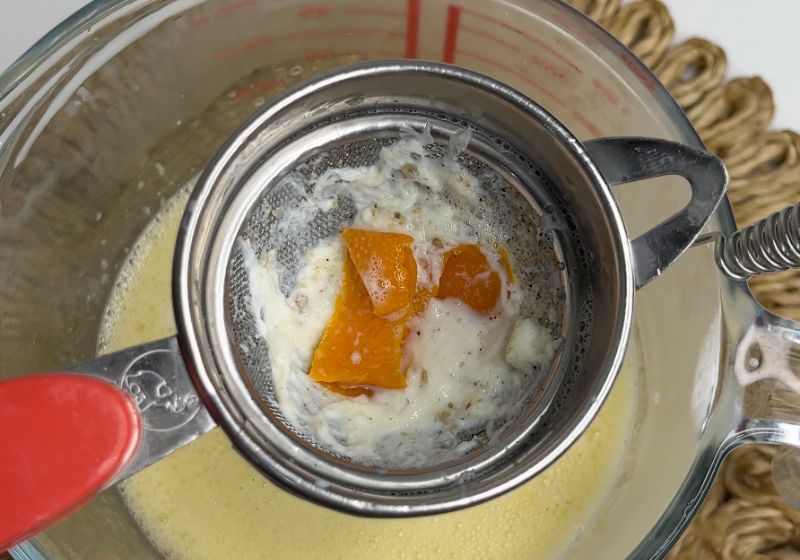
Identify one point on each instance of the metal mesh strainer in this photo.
(510, 219)
(536, 175)
(546, 198)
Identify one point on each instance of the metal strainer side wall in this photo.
(584, 220)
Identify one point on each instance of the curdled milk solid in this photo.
(206, 502)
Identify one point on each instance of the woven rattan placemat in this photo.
(742, 518)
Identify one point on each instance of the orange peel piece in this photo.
(358, 347)
(468, 276)
(386, 265)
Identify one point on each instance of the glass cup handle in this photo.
(770, 352)
(767, 366)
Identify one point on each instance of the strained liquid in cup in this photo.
(205, 500)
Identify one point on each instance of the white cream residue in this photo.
(528, 345)
(293, 326)
(464, 370)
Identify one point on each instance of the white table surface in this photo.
(759, 37)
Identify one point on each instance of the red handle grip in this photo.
(63, 437)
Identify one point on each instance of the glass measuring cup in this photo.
(124, 103)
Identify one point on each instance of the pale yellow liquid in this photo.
(206, 502)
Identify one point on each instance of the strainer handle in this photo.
(622, 160)
(155, 375)
(70, 434)
(63, 437)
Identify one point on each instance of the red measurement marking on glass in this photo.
(555, 71)
(200, 20)
(486, 35)
(256, 43)
(343, 32)
(605, 91)
(250, 45)
(264, 86)
(587, 124)
(514, 72)
(317, 56)
(370, 11)
(644, 76)
(226, 53)
(197, 21)
(451, 33)
(412, 27)
(313, 11)
(558, 72)
(538, 42)
(229, 9)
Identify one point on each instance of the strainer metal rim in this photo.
(293, 471)
(246, 198)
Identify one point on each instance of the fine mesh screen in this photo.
(530, 235)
